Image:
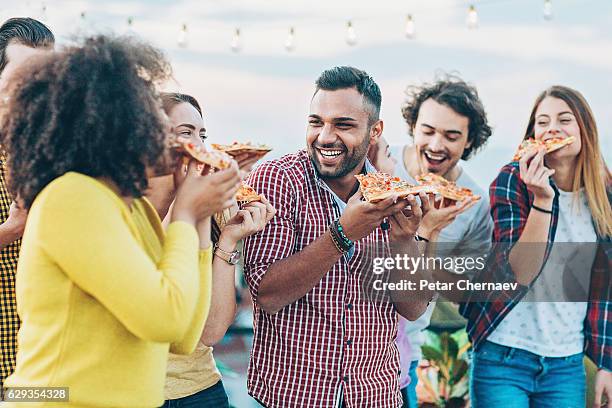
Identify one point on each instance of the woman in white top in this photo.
(529, 345)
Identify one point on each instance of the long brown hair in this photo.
(591, 169)
(170, 100)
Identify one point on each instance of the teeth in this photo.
(435, 156)
(330, 153)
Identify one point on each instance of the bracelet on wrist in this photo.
(540, 209)
(342, 242)
(333, 238)
(417, 238)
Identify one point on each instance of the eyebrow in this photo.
(448, 131)
(335, 120)
(187, 125)
(559, 114)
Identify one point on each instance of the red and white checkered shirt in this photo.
(335, 343)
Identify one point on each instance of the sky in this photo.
(262, 92)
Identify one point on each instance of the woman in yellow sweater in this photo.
(102, 291)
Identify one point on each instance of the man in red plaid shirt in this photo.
(319, 339)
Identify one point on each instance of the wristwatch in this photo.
(231, 258)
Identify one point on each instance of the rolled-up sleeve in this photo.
(277, 240)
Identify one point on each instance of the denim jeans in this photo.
(409, 394)
(513, 378)
(213, 397)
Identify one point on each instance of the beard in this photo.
(348, 163)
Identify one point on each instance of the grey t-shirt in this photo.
(474, 227)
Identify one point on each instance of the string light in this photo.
(548, 13)
(351, 36)
(182, 37)
(472, 18)
(43, 12)
(83, 22)
(236, 45)
(410, 27)
(290, 43)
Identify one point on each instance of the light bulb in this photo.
(290, 43)
(43, 12)
(236, 43)
(472, 18)
(548, 12)
(182, 37)
(410, 27)
(351, 37)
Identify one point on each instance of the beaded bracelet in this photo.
(345, 243)
(336, 238)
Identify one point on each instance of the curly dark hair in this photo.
(458, 95)
(93, 109)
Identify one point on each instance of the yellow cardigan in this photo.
(103, 296)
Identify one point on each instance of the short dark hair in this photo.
(26, 31)
(171, 99)
(458, 95)
(92, 108)
(349, 77)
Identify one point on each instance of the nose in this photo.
(326, 136)
(435, 144)
(554, 128)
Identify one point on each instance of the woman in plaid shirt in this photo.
(531, 353)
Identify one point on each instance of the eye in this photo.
(565, 121)
(314, 122)
(185, 133)
(343, 125)
(542, 123)
(203, 135)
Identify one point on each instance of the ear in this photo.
(469, 143)
(376, 131)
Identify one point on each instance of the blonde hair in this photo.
(591, 169)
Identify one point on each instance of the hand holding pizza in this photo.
(360, 218)
(439, 217)
(249, 220)
(536, 175)
(405, 222)
(201, 196)
(246, 161)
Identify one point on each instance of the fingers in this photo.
(414, 206)
(426, 205)
(258, 210)
(270, 210)
(524, 160)
(599, 388)
(356, 197)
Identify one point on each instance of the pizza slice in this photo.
(237, 148)
(556, 143)
(552, 144)
(431, 179)
(376, 187)
(213, 158)
(247, 194)
(448, 190)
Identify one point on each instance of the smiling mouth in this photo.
(330, 156)
(433, 158)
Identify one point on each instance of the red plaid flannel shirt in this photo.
(510, 205)
(333, 342)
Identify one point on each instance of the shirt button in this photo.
(349, 342)
(346, 378)
(349, 306)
